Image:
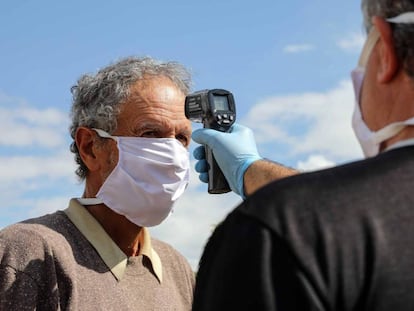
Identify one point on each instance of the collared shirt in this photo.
(111, 254)
(401, 143)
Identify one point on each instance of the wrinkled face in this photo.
(155, 109)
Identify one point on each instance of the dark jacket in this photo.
(336, 239)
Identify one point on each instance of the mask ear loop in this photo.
(372, 39)
(404, 18)
(96, 201)
(103, 134)
(373, 36)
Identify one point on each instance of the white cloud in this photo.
(24, 135)
(195, 216)
(194, 219)
(308, 123)
(22, 168)
(352, 42)
(49, 117)
(44, 135)
(35, 162)
(42, 206)
(298, 48)
(314, 162)
(23, 126)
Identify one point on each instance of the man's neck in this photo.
(406, 133)
(123, 232)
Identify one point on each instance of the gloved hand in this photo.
(234, 152)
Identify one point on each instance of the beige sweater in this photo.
(47, 264)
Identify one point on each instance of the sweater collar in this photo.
(111, 254)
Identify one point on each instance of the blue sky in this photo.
(286, 62)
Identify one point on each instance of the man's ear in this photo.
(388, 63)
(85, 139)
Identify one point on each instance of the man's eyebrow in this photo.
(159, 126)
(153, 125)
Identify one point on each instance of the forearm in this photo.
(262, 172)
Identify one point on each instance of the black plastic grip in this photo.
(217, 182)
(216, 109)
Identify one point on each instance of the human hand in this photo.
(234, 152)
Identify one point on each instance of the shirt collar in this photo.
(111, 254)
(401, 143)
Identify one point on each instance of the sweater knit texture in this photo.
(47, 264)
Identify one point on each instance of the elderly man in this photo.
(130, 141)
(336, 239)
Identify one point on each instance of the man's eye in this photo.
(183, 139)
(150, 134)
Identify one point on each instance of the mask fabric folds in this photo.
(151, 174)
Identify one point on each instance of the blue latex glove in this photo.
(234, 152)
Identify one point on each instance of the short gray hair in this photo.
(403, 33)
(97, 97)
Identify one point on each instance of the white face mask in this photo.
(151, 174)
(370, 141)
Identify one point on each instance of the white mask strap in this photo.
(95, 201)
(372, 39)
(404, 18)
(103, 134)
(391, 130)
(373, 36)
(90, 201)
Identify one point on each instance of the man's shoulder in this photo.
(318, 231)
(165, 250)
(42, 223)
(171, 258)
(34, 234)
(338, 180)
(332, 196)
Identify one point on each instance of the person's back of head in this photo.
(403, 33)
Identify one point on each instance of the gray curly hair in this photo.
(97, 98)
(403, 33)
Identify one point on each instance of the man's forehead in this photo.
(155, 89)
(149, 81)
